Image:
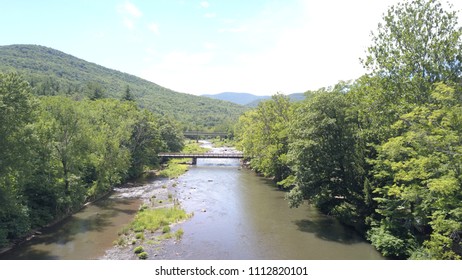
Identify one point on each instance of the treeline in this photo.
(57, 153)
(383, 153)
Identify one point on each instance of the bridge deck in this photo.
(204, 155)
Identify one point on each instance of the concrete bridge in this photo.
(195, 156)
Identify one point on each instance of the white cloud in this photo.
(128, 23)
(210, 46)
(210, 15)
(129, 8)
(154, 28)
(233, 29)
(205, 4)
(130, 13)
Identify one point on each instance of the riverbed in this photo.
(236, 215)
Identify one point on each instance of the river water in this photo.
(237, 215)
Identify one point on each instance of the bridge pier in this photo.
(194, 161)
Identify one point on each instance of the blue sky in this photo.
(205, 47)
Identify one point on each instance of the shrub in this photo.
(143, 255)
(138, 250)
(139, 235)
(166, 229)
(179, 234)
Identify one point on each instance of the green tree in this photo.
(95, 91)
(63, 132)
(16, 115)
(128, 96)
(419, 181)
(262, 134)
(171, 134)
(322, 153)
(418, 44)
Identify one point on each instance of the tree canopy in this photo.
(382, 153)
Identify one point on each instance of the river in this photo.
(237, 215)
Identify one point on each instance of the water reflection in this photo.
(85, 235)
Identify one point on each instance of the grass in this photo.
(174, 169)
(218, 143)
(154, 219)
(179, 234)
(193, 147)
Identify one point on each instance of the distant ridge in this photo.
(52, 72)
(240, 98)
(248, 99)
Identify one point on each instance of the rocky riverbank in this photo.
(161, 193)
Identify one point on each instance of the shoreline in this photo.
(165, 196)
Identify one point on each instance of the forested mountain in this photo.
(52, 72)
(248, 99)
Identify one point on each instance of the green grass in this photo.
(174, 169)
(179, 234)
(166, 229)
(218, 143)
(193, 147)
(154, 219)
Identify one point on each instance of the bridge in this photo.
(196, 134)
(195, 156)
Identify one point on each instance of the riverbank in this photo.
(157, 195)
(167, 196)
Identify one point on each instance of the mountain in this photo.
(236, 97)
(52, 72)
(248, 99)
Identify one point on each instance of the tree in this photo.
(262, 135)
(322, 154)
(418, 181)
(16, 115)
(128, 96)
(418, 44)
(95, 91)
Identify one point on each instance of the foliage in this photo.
(179, 234)
(58, 153)
(143, 256)
(16, 138)
(419, 175)
(262, 134)
(138, 249)
(322, 153)
(417, 45)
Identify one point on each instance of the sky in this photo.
(207, 46)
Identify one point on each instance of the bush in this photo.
(165, 229)
(139, 235)
(179, 234)
(143, 255)
(138, 250)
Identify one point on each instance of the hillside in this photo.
(52, 72)
(248, 99)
